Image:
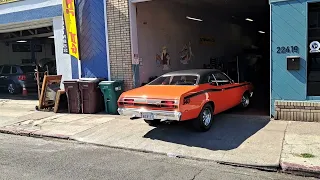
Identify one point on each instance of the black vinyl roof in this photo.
(194, 72)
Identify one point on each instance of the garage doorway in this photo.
(232, 36)
(22, 49)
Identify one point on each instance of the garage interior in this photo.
(27, 45)
(229, 35)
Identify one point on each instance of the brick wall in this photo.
(297, 111)
(119, 41)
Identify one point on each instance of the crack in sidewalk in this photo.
(194, 177)
(283, 141)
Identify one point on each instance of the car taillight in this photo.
(129, 101)
(169, 104)
(22, 78)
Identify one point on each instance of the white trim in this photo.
(133, 38)
(27, 5)
(307, 49)
(79, 67)
(107, 38)
(26, 25)
(134, 34)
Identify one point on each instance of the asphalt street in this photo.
(32, 158)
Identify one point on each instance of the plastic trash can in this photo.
(111, 92)
(91, 96)
(73, 95)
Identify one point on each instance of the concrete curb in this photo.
(32, 133)
(258, 167)
(301, 170)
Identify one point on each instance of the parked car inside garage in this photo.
(14, 77)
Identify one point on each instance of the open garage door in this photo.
(25, 48)
(232, 36)
(25, 25)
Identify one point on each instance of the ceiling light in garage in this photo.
(248, 19)
(22, 41)
(195, 19)
(262, 32)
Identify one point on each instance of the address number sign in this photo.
(287, 49)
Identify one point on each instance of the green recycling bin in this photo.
(111, 92)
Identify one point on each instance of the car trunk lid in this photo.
(159, 91)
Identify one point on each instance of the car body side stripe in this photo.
(213, 90)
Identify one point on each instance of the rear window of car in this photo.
(175, 80)
(6, 69)
(14, 70)
(28, 69)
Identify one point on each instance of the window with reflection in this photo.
(313, 59)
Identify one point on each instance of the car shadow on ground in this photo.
(228, 132)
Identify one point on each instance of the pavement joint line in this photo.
(72, 120)
(91, 127)
(283, 141)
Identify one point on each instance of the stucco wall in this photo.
(288, 28)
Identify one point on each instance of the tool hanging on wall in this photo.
(216, 63)
(238, 69)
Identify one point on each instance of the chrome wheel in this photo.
(206, 117)
(11, 88)
(245, 101)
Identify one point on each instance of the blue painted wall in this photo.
(92, 38)
(289, 28)
(33, 14)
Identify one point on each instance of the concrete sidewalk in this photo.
(301, 148)
(248, 141)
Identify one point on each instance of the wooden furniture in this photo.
(59, 94)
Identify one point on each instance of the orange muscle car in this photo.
(196, 95)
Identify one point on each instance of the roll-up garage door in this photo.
(5, 28)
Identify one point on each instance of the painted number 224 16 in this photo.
(288, 49)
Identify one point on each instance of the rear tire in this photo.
(155, 122)
(12, 88)
(205, 119)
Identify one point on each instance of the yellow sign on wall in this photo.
(8, 1)
(69, 14)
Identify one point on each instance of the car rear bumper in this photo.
(156, 114)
